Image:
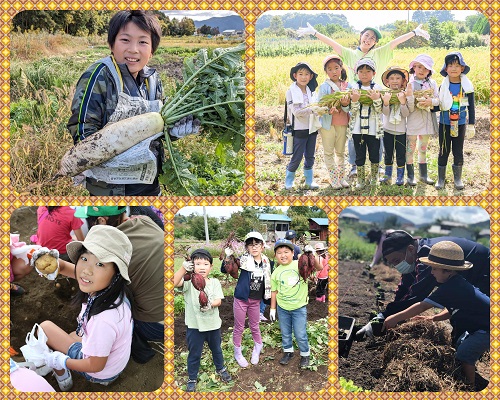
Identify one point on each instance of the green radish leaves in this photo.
(214, 92)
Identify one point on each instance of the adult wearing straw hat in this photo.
(467, 308)
(404, 252)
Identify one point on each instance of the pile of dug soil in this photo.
(417, 357)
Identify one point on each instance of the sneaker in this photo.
(16, 290)
(286, 358)
(304, 361)
(65, 381)
(262, 318)
(224, 375)
(354, 171)
(191, 386)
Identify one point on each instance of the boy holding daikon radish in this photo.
(118, 87)
(365, 125)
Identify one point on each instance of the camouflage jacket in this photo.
(96, 95)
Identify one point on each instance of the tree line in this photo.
(85, 23)
(242, 222)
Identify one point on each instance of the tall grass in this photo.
(354, 247)
(272, 74)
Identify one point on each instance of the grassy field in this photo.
(272, 82)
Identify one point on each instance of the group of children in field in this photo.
(402, 115)
(281, 287)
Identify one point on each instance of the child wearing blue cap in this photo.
(289, 296)
(457, 116)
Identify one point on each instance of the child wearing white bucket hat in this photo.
(422, 122)
(467, 308)
(100, 347)
(253, 286)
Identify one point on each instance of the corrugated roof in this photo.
(320, 221)
(274, 217)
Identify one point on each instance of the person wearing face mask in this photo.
(402, 251)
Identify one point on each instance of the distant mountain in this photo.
(296, 20)
(379, 217)
(223, 23)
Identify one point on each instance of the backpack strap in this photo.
(285, 117)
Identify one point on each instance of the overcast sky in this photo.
(357, 19)
(417, 215)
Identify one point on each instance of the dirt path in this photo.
(270, 163)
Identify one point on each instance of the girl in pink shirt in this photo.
(322, 275)
(100, 347)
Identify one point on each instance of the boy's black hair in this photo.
(395, 72)
(412, 72)
(201, 254)
(452, 59)
(109, 300)
(144, 20)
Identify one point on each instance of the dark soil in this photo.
(44, 301)
(268, 372)
(362, 294)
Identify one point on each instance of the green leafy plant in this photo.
(350, 386)
(213, 91)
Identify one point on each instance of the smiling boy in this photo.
(202, 323)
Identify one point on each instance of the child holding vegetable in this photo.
(394, 119)
(467, 308)
(202, 297)
(422, 122)
(365, 125)
(456, 118)
(305, 131)
(99, 349)
(289, 293)
(254, 285)
(115, 88)
(334, 124)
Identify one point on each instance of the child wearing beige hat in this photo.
(467, 308)
(100, 347)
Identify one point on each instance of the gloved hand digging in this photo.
(367, 331)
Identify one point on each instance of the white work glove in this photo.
(229, 252)
(306, 31)
(365, 332)
(470, 131)
(40, 252)
(420, 32)
(319, 110)
(272, 314)
(185, 126)
(56, 360)
(207, 307)
(309, 249)
(188, 266)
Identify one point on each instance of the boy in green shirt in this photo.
(290, 293)
(203, 323)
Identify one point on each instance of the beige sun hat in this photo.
(108, 244)
(319, 246)
(446, 255)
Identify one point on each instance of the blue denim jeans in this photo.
(262, 306)
(295, 320)
(75, 352)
